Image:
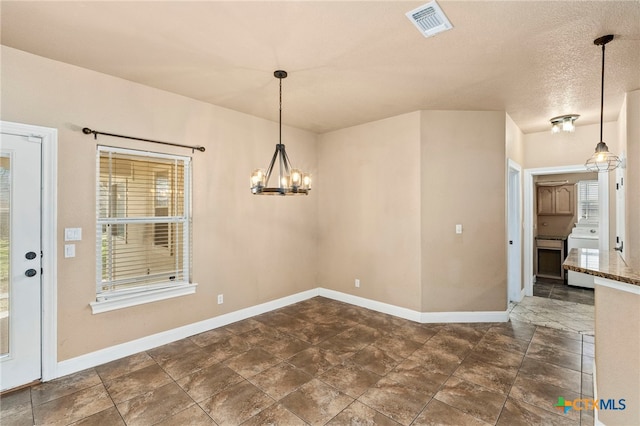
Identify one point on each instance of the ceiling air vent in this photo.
(429, 19)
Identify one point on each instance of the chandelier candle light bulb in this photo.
(257, 178)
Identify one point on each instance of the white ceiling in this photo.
(349, 62)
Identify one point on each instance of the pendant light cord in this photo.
(280, 116)
(602, 94)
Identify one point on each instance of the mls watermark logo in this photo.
(563, 405)
(582, 404)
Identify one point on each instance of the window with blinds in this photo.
(143, 219)
(588, 199)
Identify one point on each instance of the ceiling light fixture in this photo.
(602, 160)
(564, 123)
(290, 181)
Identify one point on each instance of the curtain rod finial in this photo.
(88, 131)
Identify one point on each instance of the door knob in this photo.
(30, 255)
(30, 273)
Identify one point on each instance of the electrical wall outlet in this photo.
(220, 299)
(357, 283)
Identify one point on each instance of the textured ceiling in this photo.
(349, 62)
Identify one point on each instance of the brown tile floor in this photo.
(558, 290)
(325, 362)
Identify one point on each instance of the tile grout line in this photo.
(517, 374)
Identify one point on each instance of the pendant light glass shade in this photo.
(602, 160)
(290, 181)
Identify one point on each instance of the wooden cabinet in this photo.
(549, 258)
(556, 200)
(546, 200)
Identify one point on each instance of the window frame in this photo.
(121, 298)
(581, 202)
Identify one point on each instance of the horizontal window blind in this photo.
(142, 221)
(588, 204)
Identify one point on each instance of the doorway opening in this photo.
(540, 306)
(530, 230)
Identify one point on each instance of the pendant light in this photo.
(602, 160)
(290, 181)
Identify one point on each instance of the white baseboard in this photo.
(483, 316)
(113, 353)
(410, 314)
(370, 304)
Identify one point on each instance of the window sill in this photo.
(127, 301)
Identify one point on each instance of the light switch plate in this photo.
(459, 229)
(69, 250)
(72, 234)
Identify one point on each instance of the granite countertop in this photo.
(607, 264)
(550, 237)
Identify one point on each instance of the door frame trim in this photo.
(49, 218)
(514, 168)
(529, 193)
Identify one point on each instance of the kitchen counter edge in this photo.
(607, 264)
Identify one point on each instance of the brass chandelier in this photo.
(290, 181)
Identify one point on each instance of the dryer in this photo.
(584, 235)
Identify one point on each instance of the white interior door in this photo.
(20, 260)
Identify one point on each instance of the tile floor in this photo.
(558, 306)
(558, 290)
(325, 362)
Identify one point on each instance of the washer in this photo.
(582, 236)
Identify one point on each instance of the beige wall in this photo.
(632, 190)
(618, 353)
(514, 141)
(618, 313)
(463, 181)
(369, 219)
(252, 249)
(397, 232)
